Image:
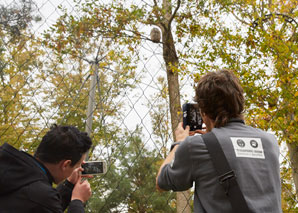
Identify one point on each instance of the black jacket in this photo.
(26, 186)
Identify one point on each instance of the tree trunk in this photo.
(293, 153)
(171, 61)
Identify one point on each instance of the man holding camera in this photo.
(252, 154)
(26, 181)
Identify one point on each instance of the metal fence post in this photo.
(91, 101)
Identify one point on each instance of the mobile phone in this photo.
(94, 168)
(192, 116)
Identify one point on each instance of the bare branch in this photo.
(175, 12)
(98, 51)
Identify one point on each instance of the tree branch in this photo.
(142, 36)
(239, 19)
(175, 12)
(98, 51)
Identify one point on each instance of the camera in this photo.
(94, 168)
(192, 116)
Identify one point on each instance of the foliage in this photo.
(261, 47)
(160, 118)
(129, 184)
(83, 47)
(18, 57)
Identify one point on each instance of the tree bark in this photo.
(293, 153)
(171, 61)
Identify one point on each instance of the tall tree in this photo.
(67, 94)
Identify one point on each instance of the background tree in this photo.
(18, 59)
(81, 49)
(129, 185)
(160, 118)
(17, 17)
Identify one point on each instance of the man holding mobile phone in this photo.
(252, 154)
(26, 181)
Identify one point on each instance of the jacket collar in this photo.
(239, 120)
(25, 157)
(43, 168)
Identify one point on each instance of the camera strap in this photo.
(226, 175)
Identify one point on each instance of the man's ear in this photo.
(65, 164)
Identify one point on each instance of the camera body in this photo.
(192, 116)
(94, 168)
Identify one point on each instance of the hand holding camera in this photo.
(181, 133)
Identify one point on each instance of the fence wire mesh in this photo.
(93, 64)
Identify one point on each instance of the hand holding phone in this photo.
(81, 191)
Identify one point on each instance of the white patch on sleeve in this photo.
(248, 147)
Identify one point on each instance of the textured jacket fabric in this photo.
(26, 186)
(252, 154)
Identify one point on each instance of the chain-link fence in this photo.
(99, 66)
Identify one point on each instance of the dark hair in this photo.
(63, 143)
(220, 96)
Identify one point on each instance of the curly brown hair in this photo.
(220, 96)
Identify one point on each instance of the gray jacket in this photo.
(253, 155)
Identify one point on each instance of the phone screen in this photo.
(94, 167)
(192, 116)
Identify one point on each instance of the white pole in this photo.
(91, 103)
